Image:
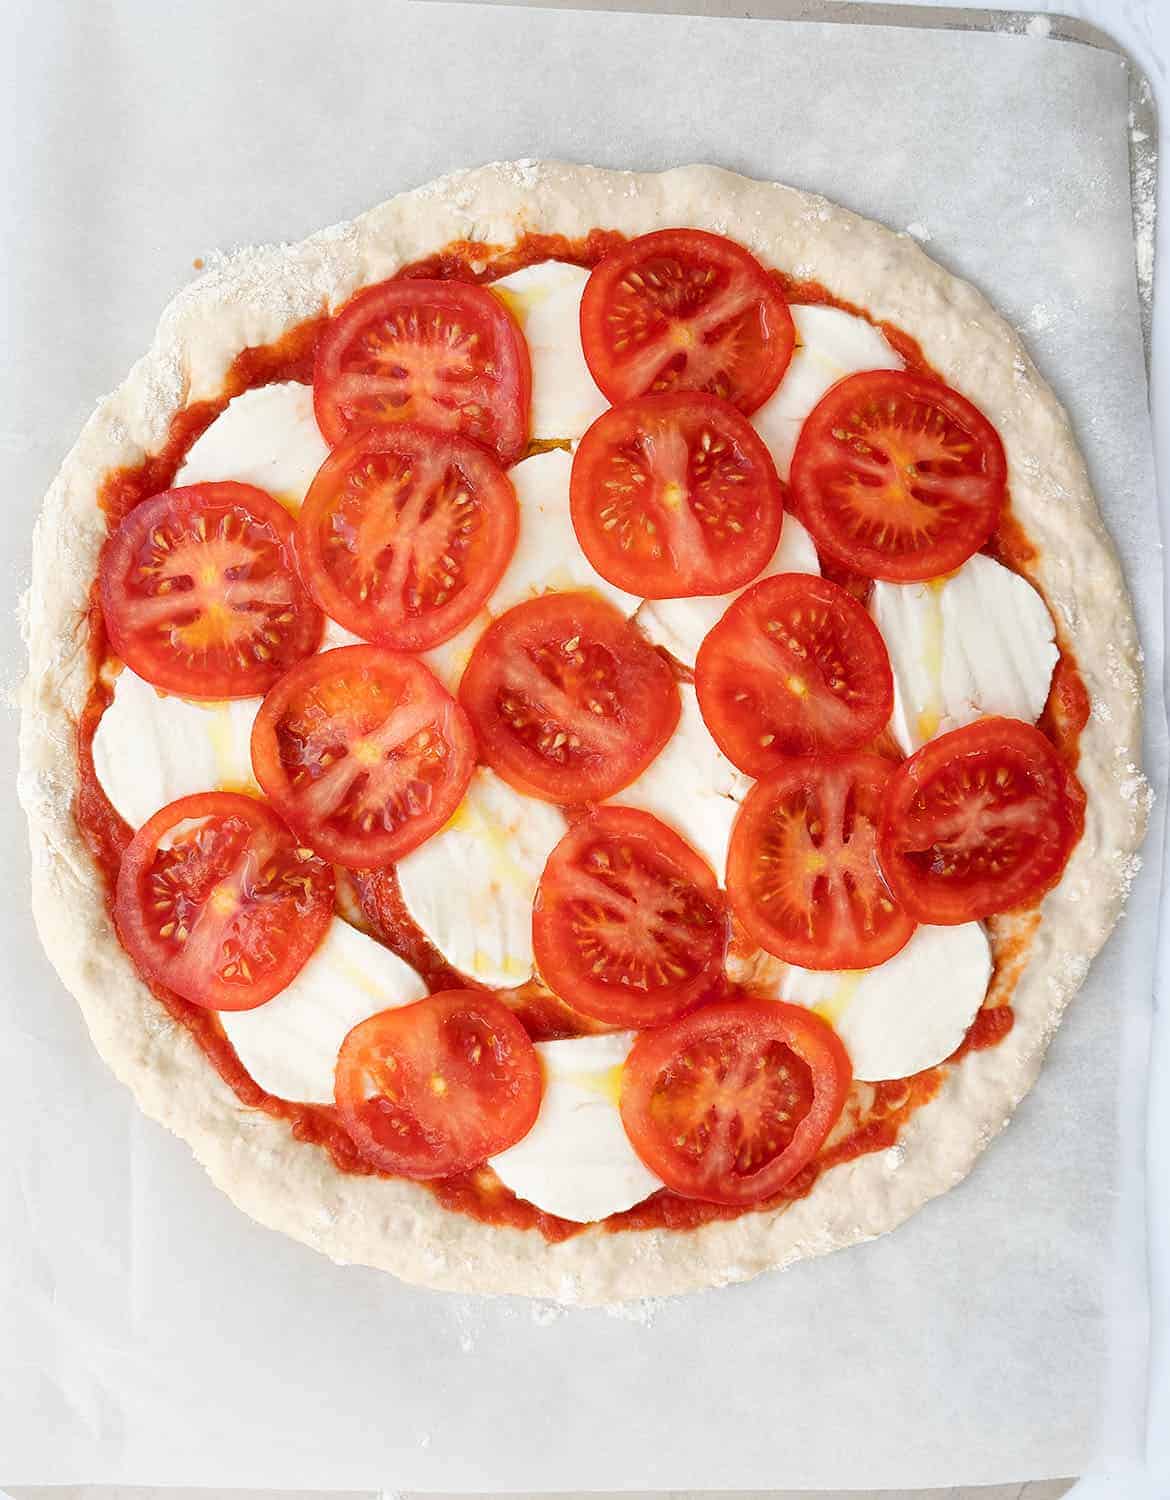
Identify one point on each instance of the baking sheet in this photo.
(152, 1334)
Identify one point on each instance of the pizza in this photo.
(582, 730)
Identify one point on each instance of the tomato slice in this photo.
(802, 871)
(795, 667)
(218, 901)
(728, 1103)
(675, 495)
(897, 476)
(980, 820)
(405, 532)
(201, 595)
(442, 353)
(629, 924)
(437, 1087)
(684, 310)
(364, 753)
(568, 700)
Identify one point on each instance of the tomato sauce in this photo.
(874, 1115)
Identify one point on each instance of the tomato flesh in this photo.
(200, 592)
(980, 820)
(675, 495)
(802, 870)
(568, 700)
(441, 353)
(730, 1102)
(795, 667)
(897, 476)
(405, 532)
(628, 924)
(684, 310)
(364, 753)
(437, 1087)
(219, 902)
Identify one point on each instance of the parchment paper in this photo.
(150, 1333)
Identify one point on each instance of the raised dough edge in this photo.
(253, 297)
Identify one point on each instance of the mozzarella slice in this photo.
(152, 747)
(548, 555)
(289, 1045)
(335, 635)
(547, 558)
(910, 1012)
(830, 345)
(577, 1161)
(267, 437)
(546, 301)
(471, 887)
(980, 641)
(679, 625)
(692, 786)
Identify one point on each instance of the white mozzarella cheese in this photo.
(830, 345)
(577, 1161)
(546, 301)
(267, 437)
(471, 887)
(336, 635)
(548, 558)
(449, 661)
(548, 555)
(979, 641)
(152, 747)
(910, 1012)
(679, 625)
(692, 786)
(289, 1045)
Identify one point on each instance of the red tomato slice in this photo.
(980, 820)
(439, 1086)
(675, 495)
(795, 667)
(442, 353)
(405, 532)
(568, 700)
(683, 310)
(364, 753)
(728, 1103)
(200, 592)
(802, 871)
(217, 901)
(628, 924)
(898, 476)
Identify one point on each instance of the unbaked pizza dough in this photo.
(252, 298)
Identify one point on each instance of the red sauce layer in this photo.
(874, 1114)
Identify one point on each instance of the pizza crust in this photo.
(253, 298)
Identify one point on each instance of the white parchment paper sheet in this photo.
(150, 1333)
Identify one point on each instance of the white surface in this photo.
(547, 556)
(979, 641)
(471, 887)
(830, 345)
(679, 625)
(151, 748)
(577, 1161)
(692, 786)
(909, 1013)
(266, 437)
(289, 1045)
(102, 1305)
(546, 301)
